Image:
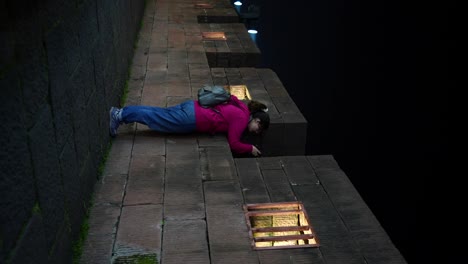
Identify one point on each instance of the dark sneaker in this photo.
(114, 117)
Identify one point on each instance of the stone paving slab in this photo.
(110, 189)
(250, 178)
(184, 211)
(278, 186)
(102, 223)
(104, 220)
(188, 174)
(145, 183)
(228, 236)
(148, 142)
(207, 140)
(296, 256)
(299, 170)
(97, 249)
(183, 193)
(227, 230)
(223, 193)
(139, 233)
(336, 244)
(183, 154)
(185, 241)
(118, 161)
(218, 164)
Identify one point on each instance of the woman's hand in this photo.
(255, 151)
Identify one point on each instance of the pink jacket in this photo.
(232, 118)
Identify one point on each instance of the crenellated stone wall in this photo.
(62, 65)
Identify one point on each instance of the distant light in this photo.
(253, 34)
(238, 3)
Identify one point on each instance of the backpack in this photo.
(209, 96)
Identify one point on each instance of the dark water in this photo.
(370, 77)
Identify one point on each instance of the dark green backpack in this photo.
(209, 96)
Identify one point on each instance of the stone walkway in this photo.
(179, 198)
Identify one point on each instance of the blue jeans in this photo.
(175, 119)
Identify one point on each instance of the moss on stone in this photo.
(137, 259)
(78, 244)
(146, 259)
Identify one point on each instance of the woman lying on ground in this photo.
(232, 117)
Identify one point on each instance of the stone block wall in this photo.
(62, 65)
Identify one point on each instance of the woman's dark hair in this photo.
(259, 110)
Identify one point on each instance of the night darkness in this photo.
(370, 77)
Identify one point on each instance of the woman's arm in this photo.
(234, 134)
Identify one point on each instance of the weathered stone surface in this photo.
(184, 211)
(72, 186)
(67, 63)
(139, 232)
(146, 180)
(47, 174)
(218, 164)
(110, 189)
(251, 181)
(185, 241)
(32, 245)
(16, 176)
